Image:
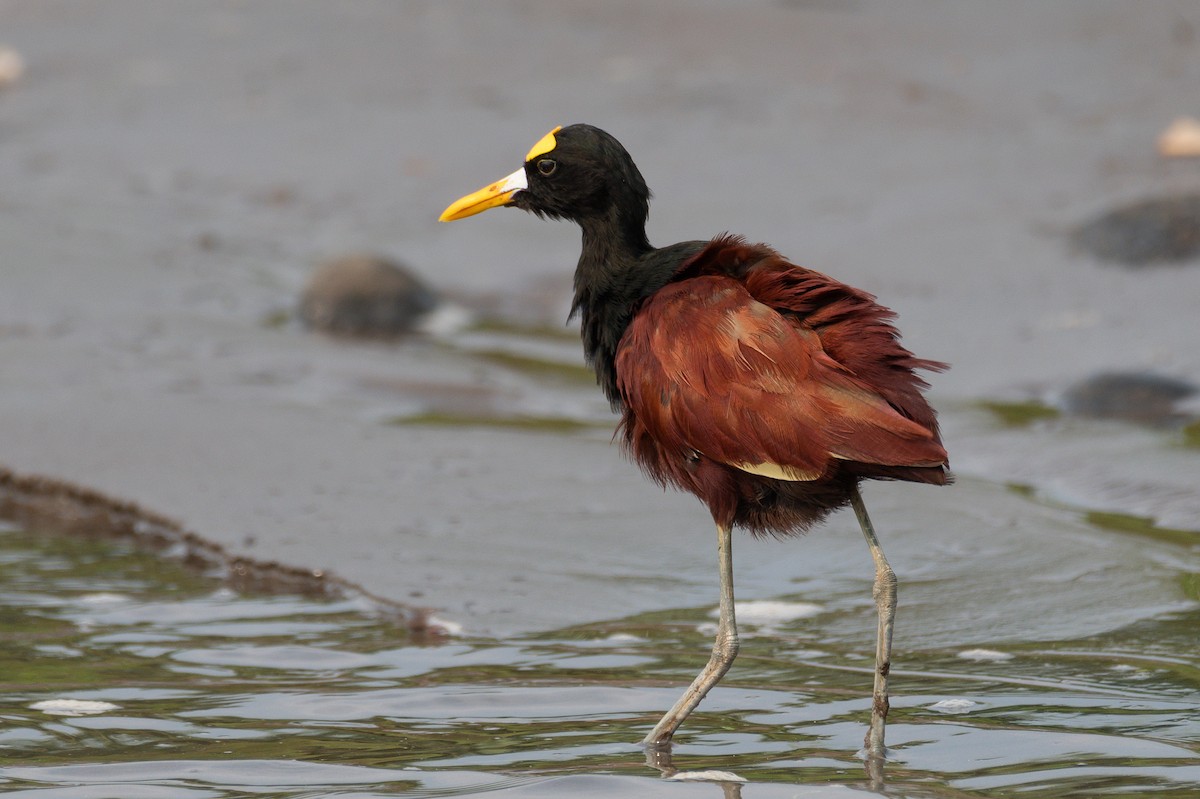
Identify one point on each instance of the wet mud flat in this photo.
(170, 181)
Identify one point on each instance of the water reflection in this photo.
(661, 760)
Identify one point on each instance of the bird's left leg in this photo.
(725, 649)
(884, 592)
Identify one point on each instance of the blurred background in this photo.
(225, 297)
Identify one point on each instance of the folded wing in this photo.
(708, 368)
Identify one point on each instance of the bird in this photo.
(768, 390)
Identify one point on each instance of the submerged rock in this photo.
(366, 296)
(1132, 396)
(1155, 231)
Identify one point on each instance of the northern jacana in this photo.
(766, 389)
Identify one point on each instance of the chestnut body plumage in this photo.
(744, 358)
(766, 389)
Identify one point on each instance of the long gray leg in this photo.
(725, 649)
(884, 592)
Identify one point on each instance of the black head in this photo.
(586, 173)
(577, 172)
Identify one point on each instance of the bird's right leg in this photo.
(884, 592)
(725, 649)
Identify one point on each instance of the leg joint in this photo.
(885, 583)
(726, 646)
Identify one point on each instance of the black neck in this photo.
(610, 281)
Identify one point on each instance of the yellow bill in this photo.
(501, 192)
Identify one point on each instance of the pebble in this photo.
(1130, 396)
(365, 296)
(1156, 231)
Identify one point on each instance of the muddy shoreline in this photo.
(46, 505)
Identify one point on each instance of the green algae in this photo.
(544, 424)
(1020, 414)
(537, 367)
(1142, 526)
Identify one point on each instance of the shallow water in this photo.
(169, 181)
(191, 690)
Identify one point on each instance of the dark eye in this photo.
(547, 166)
